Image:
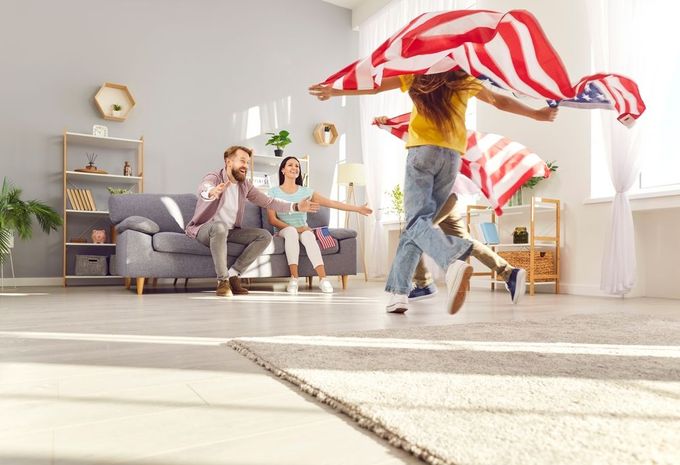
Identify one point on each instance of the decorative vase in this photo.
(98, 236)
(278, 152)
(516, 198)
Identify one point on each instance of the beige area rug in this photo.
(580, 390)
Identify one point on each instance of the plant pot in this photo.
(116, 113)
(278, 152)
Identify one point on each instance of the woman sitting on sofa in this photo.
(293, 226)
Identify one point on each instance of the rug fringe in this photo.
(362, 420)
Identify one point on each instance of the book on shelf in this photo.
(81, 199)
(489, 233)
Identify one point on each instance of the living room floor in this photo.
(99, 375)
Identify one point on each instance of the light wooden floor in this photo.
(100, 375)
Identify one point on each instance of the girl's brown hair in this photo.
(432, 95)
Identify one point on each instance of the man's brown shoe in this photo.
(235, 283)
(223, 288)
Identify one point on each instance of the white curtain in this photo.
(384, 155)
(623, 37)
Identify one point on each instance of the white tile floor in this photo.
(98, 375)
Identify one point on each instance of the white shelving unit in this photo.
(115, 147)
(269, 165)
(549, 211)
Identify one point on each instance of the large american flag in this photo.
(493, 165)
(509, 50)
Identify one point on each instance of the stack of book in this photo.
(81, 199)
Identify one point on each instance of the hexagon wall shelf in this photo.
(114, 94)
(325, 134)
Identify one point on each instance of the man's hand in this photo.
(216, 191)
(380, 120)
(364, 210)
(302, 229)
(321, 91)
(306, 205)
(546, 114)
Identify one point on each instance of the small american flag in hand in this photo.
(324, 237)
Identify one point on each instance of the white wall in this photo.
(568, 141)
(195, 69)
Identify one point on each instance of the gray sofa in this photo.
(169, 253)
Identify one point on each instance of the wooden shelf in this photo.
(86, 212)
(537, 242)
(320, 132)
(98, 141)
(110, 94)
(118, 150)
(119, 178)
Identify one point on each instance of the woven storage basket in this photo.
(544, 261)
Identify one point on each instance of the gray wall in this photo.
(195, 68)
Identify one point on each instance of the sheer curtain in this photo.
(622, 45)
(384, 155)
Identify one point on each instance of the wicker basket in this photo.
(544, 261)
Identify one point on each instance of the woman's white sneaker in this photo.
(292, 287)
(325, 286)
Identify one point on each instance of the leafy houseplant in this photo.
(397, 197)
(516, 198)
(116, 109)
(279, 141)
(118, 190)
(16, 215)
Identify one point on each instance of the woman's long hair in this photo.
(432, 95)
(298, 180)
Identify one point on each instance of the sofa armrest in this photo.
(133, 253)
(342, 233)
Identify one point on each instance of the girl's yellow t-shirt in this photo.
(422, 131)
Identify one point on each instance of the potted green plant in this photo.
(16, 215)
(279, 141)
(516, 198)
(116, 109)
(397, 197)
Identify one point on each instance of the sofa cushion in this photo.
(178, 243)
(138, 223)
(181, 243)
(171, 212)
(251, 216)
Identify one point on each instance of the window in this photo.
(635, 35)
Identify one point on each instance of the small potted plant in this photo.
(517, 197)
(279, 141)
(16, 215)
(115, 110)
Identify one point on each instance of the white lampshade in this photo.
(351, 173)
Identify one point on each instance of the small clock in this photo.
(100, 131)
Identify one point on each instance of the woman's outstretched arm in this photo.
(321, 200)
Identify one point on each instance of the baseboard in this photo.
(26, 282)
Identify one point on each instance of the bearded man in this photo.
(219, 212)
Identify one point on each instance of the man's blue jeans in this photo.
(430, 172)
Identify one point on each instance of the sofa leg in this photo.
(174, 283)
(344, 281)
(310, 281)
(140, 286)
(128, 282)
(186, 282)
